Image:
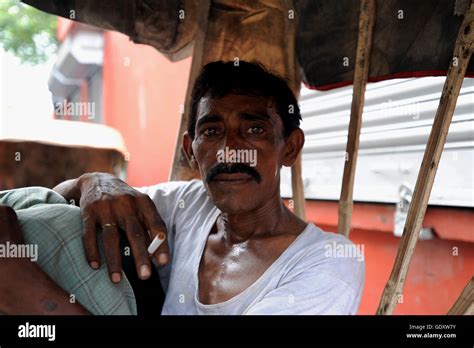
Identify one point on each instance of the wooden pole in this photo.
(180, 169)
(298, 189)
(361, 72)
(416, 212)
(464, 305)
(294, 75)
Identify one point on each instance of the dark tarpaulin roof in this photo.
(418, 44)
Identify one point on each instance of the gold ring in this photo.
(108, 225)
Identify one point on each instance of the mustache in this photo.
(222, 168)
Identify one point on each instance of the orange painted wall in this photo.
(435, 279)
(438, 272)
(142, 93)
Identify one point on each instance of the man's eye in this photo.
(210, 131)
(255, 130)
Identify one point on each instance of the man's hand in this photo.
(108, 203)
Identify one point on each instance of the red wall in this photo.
(436, 276)
(142, 93)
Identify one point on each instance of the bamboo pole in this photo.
(464, 305)
(462, 53)
(180, 170)
(361, 72)
(295, 84)
(298, 189)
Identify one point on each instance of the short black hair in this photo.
(218, 79)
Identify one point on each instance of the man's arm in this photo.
(109, 204)
(70, 189)
(25, 288)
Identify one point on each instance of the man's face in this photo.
(238, 146)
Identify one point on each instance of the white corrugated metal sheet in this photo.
(397, 120)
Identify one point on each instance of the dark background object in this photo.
(411, 39)
(47, 165)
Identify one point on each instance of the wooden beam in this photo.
(180, 170)
(462, 53)
(298, 189)
(361, 72)
(294, 79)
(464, 305)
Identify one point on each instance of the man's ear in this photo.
(293, 145)
(188, 150)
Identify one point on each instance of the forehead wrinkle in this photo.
(207, 106)
(252, 116)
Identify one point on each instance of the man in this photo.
(232, 246)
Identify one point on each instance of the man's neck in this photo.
(273, 218)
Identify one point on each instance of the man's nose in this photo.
(232, 140)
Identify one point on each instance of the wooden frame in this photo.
(180, 169)
(361, 73)
(298, 189)
(462, 53)
(464, 305)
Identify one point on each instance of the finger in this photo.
(138, 242)
(155, 225)
(162, 254)
(89, 241)
(112, 253)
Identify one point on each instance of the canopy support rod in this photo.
(462, 53)
(180, 169)
(464, 305)
(361, 73)
(299, 207)
(298, 189)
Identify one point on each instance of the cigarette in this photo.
(155, 244)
